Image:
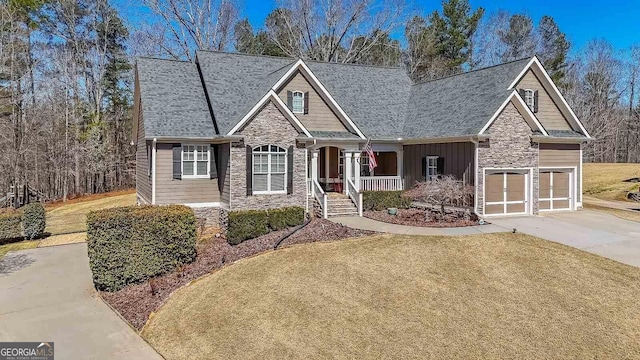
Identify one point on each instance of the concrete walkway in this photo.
(364, 223)
(47, 295)
(623, 205)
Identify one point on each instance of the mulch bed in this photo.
(137, 301)
(418, 217)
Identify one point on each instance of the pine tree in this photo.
(518, 38)
(554, 48)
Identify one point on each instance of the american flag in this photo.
(372, 157)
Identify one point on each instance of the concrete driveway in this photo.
(47, 295)
(592, 231)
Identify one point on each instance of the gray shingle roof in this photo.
(381, 101)
(236, 82)
(173, 100)
(461, 104)
(333, 135)
(374, 98)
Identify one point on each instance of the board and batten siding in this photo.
(560, 155)
(548, 113)
(320, 117)
(143, 177)
(458, 160)
(185, 191)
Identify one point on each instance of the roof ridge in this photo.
(163, 59)
(473, 71)
(297, 58)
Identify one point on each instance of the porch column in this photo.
(314, 169)
(347, 170)
(400, 166)
(356, 170)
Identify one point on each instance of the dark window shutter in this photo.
(213, 162)
(440, 166)
(535, 101)
(290, 100)
(424, 168)
(290, 170)
(177, 161)
(306, 102)
(249, 170)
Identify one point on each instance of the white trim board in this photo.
(519, 103)
(535, 65)
(270, 96)
(300, 65)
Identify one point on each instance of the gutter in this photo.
(219, 139)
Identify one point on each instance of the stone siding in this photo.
(509, 146)
(268, 127)
(210, 216)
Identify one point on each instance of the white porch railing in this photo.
(355, 195)
(381, 183)
(320, 195)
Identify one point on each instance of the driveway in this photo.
(47, 295)
(595, 232)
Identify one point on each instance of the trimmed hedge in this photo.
(33, 220)
(285, 217)
(10, 228)
(381, 200)
(245, 225)
(131, 244)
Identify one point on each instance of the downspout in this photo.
(307, 178)
(153, 172)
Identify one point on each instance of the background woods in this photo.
(66, 70)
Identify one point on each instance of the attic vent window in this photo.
(530, 98)
(298, 102)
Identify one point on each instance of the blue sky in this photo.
(580, 20)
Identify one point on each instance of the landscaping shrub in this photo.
(10, 229)
(244, 225)
(33, 220)
(285, 217)
(131, 244)
(381, 200)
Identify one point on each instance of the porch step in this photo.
(340, 205)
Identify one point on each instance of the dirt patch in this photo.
(136, 302)
(423, 218)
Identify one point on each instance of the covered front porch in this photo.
(343, 168)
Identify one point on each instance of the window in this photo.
(195, 161)
(432, 168)
(530, 98)
(269, 170)
(298, 102)
(364, 164)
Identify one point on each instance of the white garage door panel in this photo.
(505, 192)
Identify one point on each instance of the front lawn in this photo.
(607, 181)
(389, 296)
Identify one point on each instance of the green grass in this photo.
(606, 181)
(507, 296)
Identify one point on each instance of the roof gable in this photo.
(536, 67)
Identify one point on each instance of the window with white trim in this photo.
(298, 102)
(269, 170)
(530, 98)
(364, 164)
(195, 161)
(431, 168)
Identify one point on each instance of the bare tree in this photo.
(487, 44)
(333, 31)
(187, 25)
(446, 190)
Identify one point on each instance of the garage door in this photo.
(555, 190)
(505, 192)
